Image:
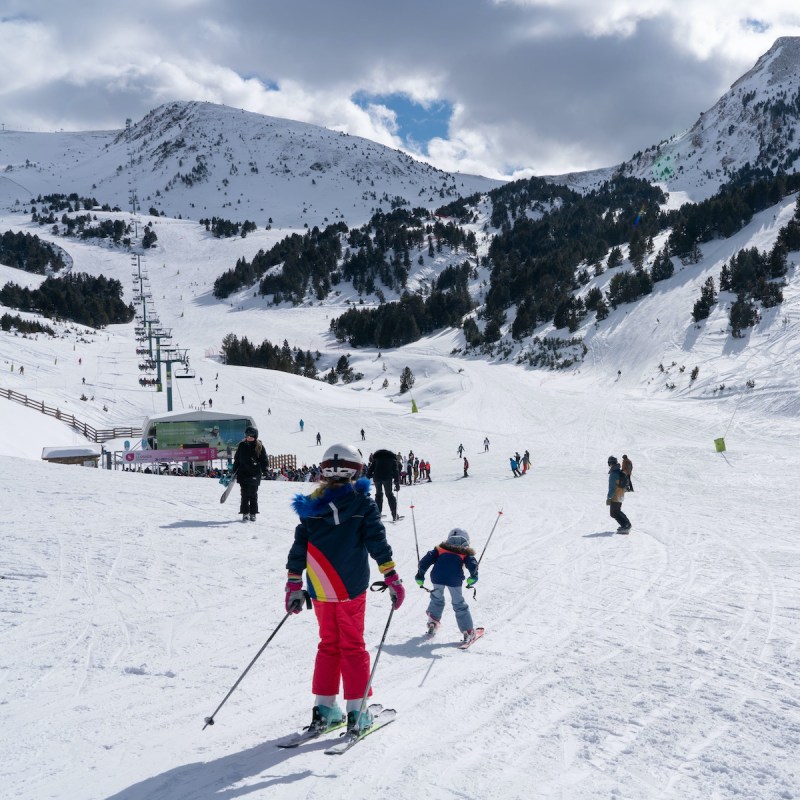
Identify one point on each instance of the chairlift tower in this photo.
(158, 335)
(170, 356)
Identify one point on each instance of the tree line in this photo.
(225, 228)
(378, 254)
(396, 324)
(244, 353)
(15, 321)
(28, 252)
(82, 298)
(754, 276)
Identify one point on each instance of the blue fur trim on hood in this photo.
(310, 505)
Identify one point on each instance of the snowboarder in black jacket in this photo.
(250, 462)
(384, 470)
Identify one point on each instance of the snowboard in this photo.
(228, 488)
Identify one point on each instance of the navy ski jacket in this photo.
(448, 564)
(339, 527)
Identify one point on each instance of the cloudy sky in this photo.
(495, 87)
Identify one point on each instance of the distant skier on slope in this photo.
(616, 494)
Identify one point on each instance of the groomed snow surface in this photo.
(663, 664)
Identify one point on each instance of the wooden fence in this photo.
(93, 434)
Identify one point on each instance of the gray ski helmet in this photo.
(251, 431)
(612, 461)
(458, 537)
(341, 461)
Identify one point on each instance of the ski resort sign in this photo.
(154, 456)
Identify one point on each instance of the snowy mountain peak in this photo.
(780, 62)
(198, 159)
(752, 125)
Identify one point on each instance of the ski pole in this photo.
(381, 587)
(210, 720)
(499, 514)
(416, 544)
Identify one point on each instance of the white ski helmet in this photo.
(341, 461)
(458, 537)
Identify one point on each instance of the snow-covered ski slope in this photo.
(658, 665)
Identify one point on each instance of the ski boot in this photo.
(469, 636)
(325, 718)
(359, 723)
(252, 518)
(433, 625)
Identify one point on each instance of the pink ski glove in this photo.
(295, 596)
(395, 587)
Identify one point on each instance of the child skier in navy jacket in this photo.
(449, 560)
(340, 527)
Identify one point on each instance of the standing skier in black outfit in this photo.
(385, 473)
(249, 462)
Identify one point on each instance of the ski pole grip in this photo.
(308, 599)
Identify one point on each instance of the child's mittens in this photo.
(395, 587)
(420, 579)
(472, 580)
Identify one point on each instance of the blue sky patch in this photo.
(269, 84)
(757, 25)
(416, 124)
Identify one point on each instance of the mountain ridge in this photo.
(257, 168)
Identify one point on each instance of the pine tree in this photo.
(406, 380)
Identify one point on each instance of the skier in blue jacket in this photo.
(616, 494)
(449, 560)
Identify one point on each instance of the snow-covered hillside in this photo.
(198, 160)
(658, 666)
(653, 343)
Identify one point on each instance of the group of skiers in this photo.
(520, 464)
(413, 469)
(339, 529)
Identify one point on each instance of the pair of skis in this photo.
(381, 717)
